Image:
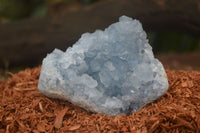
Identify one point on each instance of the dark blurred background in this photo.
(29, 29)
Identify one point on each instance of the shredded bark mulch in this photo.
(24, 109)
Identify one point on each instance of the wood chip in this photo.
(40, 106)
(59, 118)
(24, 109)
(72, 128)
(41, 127)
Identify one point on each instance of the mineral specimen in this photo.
(109, 72)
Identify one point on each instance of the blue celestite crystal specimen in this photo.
(109, 72)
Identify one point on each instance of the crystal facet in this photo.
(109, 72)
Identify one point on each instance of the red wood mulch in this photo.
(24, 109)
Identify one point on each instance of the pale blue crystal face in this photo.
(109, 72)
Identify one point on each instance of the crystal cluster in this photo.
(109, 72)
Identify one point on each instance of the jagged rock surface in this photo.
(109, 72)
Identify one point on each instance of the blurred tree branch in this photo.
(28, 41)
